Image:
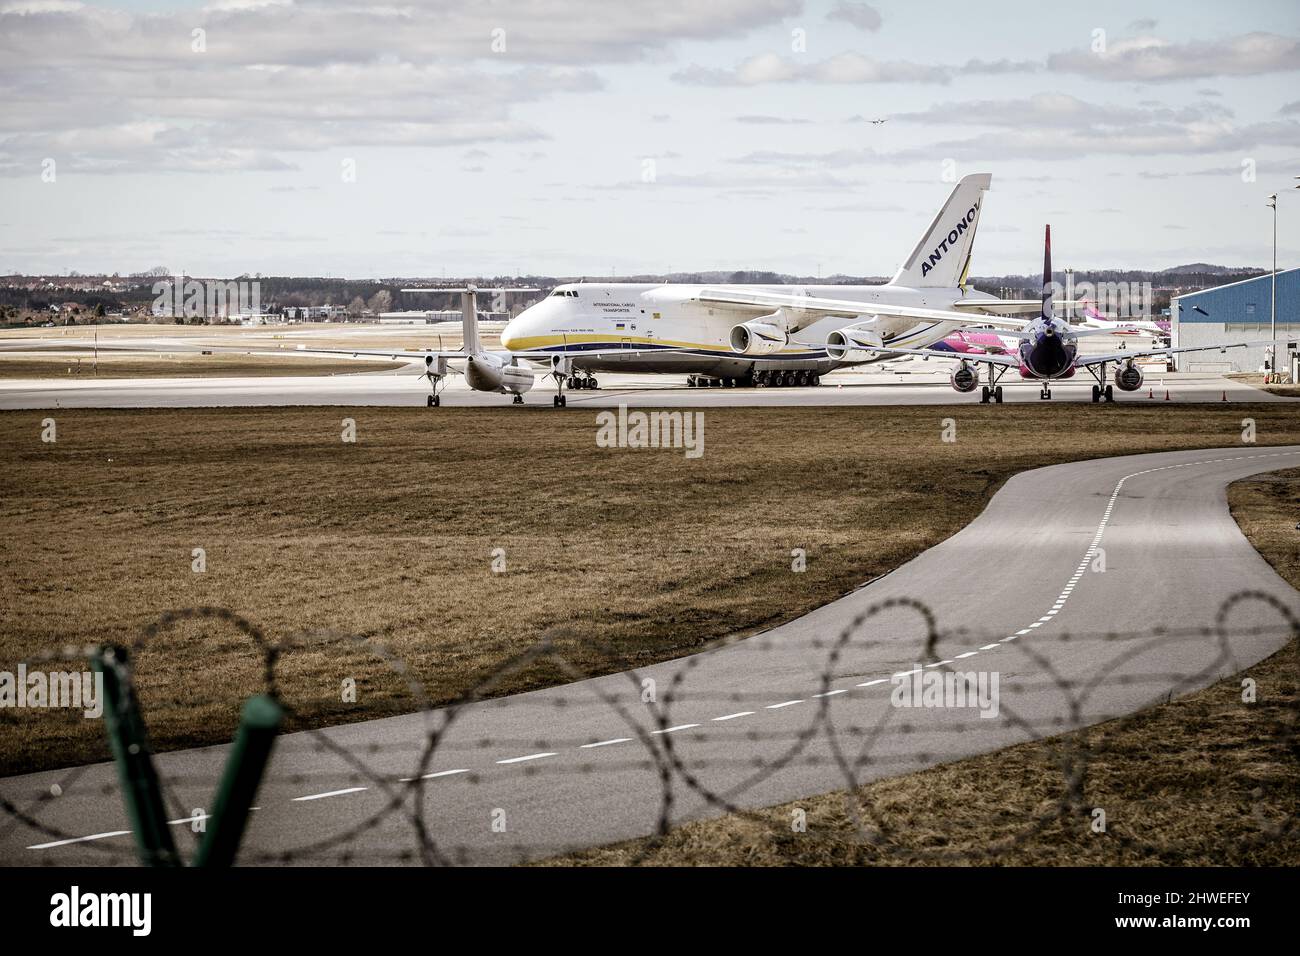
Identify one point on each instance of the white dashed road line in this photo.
(85, 839)
(528, 757)
(329, 793)
(670, 730)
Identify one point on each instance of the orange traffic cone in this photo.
(1225, 395)
(1166, 395)
(1151, 393)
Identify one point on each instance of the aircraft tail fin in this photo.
(942, 256)
(1047, 273)
(469, 321)
(469, 310)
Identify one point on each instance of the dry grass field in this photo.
(1204, 780)
(621, 556)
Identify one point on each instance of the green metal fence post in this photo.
(258, 726)
(126, 734)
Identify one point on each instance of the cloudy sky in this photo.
(332, 137)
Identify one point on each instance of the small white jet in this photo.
(484, 371)
(742, 335)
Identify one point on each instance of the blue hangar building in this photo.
(1237, 312)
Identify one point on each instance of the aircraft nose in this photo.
(510, 334)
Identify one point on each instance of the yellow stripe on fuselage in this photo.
(538, 342)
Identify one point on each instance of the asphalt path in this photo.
(1091, 590)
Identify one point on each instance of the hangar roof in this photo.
(1243, 301)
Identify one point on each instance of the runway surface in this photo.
(405, 387)
(1059, 588)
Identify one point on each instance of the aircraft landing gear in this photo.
(519, 399)
(997, 394)
(780, 378)
(985, 394)
(1101, 392)
(434, 401)
(1045, 394)
(560, 401)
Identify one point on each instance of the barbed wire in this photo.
(838, 746)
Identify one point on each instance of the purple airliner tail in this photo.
(1047, 273)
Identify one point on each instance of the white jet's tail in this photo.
(473, 345)
(469, 321)
(942, 258)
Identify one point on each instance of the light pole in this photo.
(1272, 299)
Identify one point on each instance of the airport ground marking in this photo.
(605, 743)
(434, 775)
(743, 713)
(329, 793)
(84, 839)
(527, 757)
(670, 730)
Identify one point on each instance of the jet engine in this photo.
(1128, 377)
(761, 336)
(965, 378)
(487, 373)
(845, 345)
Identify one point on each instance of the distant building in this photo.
(1237, 312)
(434, 316)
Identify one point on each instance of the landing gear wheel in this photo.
(816, 380)
(1110, 393)
(519, 400)
(997, 394)
(560, 401)
(985, 395)
(433, 402)
(1096, 394)
(1045, 394)
(592, 384)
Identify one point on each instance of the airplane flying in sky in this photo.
(739, 335)
(1048, 351)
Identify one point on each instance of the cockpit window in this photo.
(566, 292)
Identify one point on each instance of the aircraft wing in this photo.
(1011, 306)
(1142, 353)
(992, 358)
(1109, 330)
(758, 302)
(424, 355)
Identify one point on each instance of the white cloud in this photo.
(284, 76)
(1151, 59)
(861, 15)
(843, 68)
